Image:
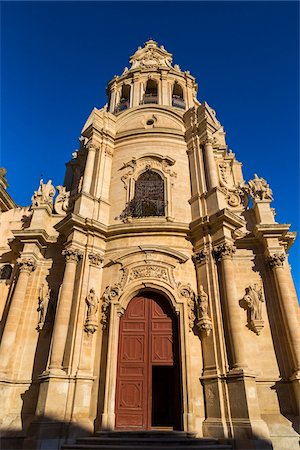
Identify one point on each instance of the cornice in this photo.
(37, 236)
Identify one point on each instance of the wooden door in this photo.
(148, 339)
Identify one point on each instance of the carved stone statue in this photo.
(259, 189)
(204, 322)
(44, 298)
(92, 302)
(62, 201)
(254, 299)
(44, 195)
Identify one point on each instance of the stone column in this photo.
(223, 253)
(112, 104)
(211, 167)
(27, 265)
(89, 168)
(276, 262)
(63, 312)
(165, 97)
(136, 91)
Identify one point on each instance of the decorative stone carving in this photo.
(147, 162)
(259, 189)
(149, 271)
(27, 265)
(96, 259)
(225, 250)
(44, 195)
(91, 323)
(225, 174)
(43, 304)
(254, 299)
(185, 290)
(200, 257)
(151, 56)
(62, 202)
(276, 260)
(110, 293)
(204, 323)
(72, 254)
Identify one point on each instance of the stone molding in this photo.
(72, 254)
(222, 251)
(27, 265)
(276, 260)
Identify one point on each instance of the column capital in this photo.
(72, 254)
(96, 259)
(92, 147)
(200, 257)
(276, 260)
(222, 251)
(27, 265)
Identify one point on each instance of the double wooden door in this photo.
(147, 391)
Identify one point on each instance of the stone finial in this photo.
(27, 265)
(91, 323)
(276, 260)
(200, 257)
(44, 195)
(259, 189)
(225, 250)
(253, 299)
(72, 254)
(204, 323)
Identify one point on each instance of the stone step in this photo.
(144, 446)
(136, 441)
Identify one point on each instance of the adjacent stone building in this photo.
(151, 289)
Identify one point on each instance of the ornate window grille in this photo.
(149, 196)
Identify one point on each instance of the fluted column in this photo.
(89, 168)
(276, 262)
(223, 254)
(211, 167)
(64, 306)
(27, 265)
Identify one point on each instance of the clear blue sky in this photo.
(58, 56)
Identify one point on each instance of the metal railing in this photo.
(150, 98)
(178, 102)
(146, 208)
(124, 104)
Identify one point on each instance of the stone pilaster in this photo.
(63, 312)
(27, 266)
(223, 254)
(211, 167)
(89, 168)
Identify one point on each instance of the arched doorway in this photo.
(148, 392)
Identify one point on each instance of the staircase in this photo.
(146, 440)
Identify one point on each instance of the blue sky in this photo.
(57, 57)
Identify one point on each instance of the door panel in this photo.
(146, 340)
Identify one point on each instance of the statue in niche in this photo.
(44, 298)
(92, 302)
(44, 195)
(254, 299)
(204, 322)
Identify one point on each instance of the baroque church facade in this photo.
(152, 290)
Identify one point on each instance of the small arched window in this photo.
(177, 96)
(151, 92)
(149, 196)
(125, 98)
(5, 272)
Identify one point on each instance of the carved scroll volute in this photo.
(110, 294)
(204, 323)
(185, 291)
(252, 302)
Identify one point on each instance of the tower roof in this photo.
(151, 56)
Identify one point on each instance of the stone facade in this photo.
(153, 201)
